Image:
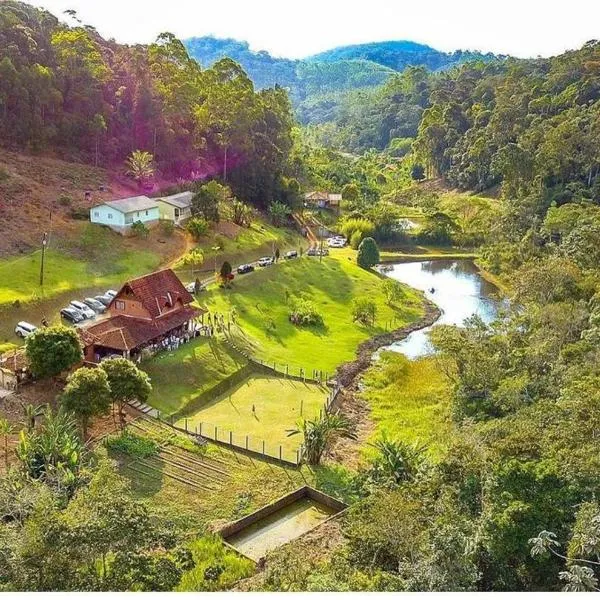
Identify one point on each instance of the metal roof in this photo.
(133, 204)
(182, 200)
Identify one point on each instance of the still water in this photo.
(458, 290)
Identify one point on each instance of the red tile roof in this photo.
(157, 291)
(127, 333)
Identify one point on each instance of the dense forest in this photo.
(68, 90)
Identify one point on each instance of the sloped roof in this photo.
(157, 291)
(316, 196)
(133, 204)
(126, 333)
(182, 200)
(14, 360)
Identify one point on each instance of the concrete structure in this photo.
(145, 312)
(120, 215)
(176, 208)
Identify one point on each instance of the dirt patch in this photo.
(228, 229)
(349, 402)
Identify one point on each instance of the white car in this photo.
(112, 293)
(24, 329)
(265, 261)
(84, 309)
(336, 242)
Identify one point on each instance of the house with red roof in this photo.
(145, 312)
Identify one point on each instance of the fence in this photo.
(248, 443)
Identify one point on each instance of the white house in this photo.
(176, 208)
(120, 215)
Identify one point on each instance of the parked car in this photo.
(111, 293)
(71, 315)
(336, 242)
(191, 287)
(94, 304)
(24, 329)
(291, 254)
(265, 261)
(104, 299)
(84, 309)
(243, 269)
(311, 252)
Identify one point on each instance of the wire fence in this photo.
(248, 443)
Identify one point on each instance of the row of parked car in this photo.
(337, 241)
(76, 312)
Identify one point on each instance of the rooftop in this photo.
(182, 200)
(133, 204)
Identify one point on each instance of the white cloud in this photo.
(303, 27)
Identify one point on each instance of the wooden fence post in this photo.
(263, 447)
(215, 433)
(200, 427)
(231, 438)
(246, 442)
(186, 429)
(280, 452)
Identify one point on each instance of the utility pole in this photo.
(44, 244)
(225, 166)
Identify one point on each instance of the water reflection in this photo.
(458, 290)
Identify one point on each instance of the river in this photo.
(456, 287)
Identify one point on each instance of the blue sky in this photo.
(300, 28)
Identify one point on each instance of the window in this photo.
(96, 213)
(176, 213)
(120, 305)
(109, 216)
(146, 213)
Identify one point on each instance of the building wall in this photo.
(167, 211)
(124, 305)
(106, 215)
(145, 216)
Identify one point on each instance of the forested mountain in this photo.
(67, 90)
(319, 85)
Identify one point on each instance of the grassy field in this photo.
(278, 405)
(409, 401)
(181, 376)
(261, 303)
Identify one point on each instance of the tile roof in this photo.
(126, 333)
(182, 200)
(157, 291)
(135, 203)
(14, 360)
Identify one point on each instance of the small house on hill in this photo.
(176, 208)
(145, 312)
(323, 199)
(120, 215)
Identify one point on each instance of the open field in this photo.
(261, 301)
(180, 377)
(409, 400)
(278, 405)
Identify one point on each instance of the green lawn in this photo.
(181, 376)
(261, 300)
(278, 405)
(409, 401)
(19, 277)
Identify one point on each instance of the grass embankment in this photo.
(409, 401)
(92, 257)
(229, 242)
(261, 302)
(278, 404)
(416, 253)
(179, 377)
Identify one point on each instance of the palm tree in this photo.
(319, 433)
(140, 165)
(6, 429)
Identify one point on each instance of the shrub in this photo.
(65, 200)
(80, 214)
(356, 239)
(364, 226)
(197, 227)
(139, 230)
(194, 258)
(304, 312)
(368, 253)
(167, 227)
(392, 290)
(132, 445)
(364, 311)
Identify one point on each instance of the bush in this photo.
(80, 214)
(197, 227)
(304, 312)
(392, 290)
(139, 230)
(356, 239)
(364, 311)
(368, 253)
(167, 227)
(132, 445)
(194, 258)
(65, 200)
(364, 226)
